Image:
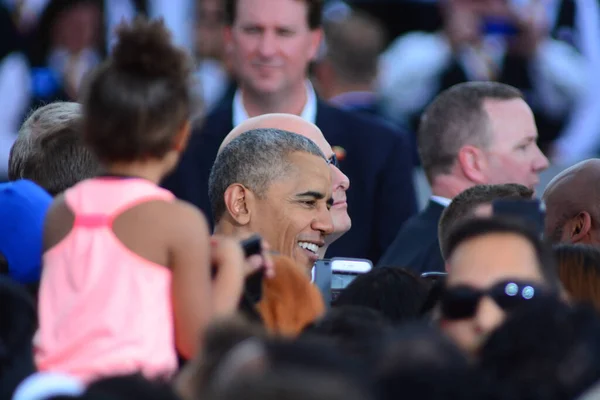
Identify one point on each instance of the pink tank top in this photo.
(104, 310)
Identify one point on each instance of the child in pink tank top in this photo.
(126, 278)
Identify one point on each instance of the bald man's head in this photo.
(573, 204)
(284, 122)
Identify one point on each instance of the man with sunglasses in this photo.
(341, 183)
(494, 267)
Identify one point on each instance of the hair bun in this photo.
(145, 48)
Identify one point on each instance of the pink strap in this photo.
(91, 221)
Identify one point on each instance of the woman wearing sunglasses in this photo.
(494, 267)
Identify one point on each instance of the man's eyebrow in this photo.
(313, 194)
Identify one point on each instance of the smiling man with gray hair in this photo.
(50, 151)
(277, 184)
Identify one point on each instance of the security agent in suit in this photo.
(473, 133)
(270, 51)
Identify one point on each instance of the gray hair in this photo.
(254, 159)
(457, 118)
(50, 150)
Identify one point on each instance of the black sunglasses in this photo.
(461, 302)
(333, 161)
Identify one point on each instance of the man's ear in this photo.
(238, 201)
(580, 227)
(472, 163)
(316, 37)
(181, 139)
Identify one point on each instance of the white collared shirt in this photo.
(309, 112)
(442, 201)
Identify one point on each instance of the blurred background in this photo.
(396, 54)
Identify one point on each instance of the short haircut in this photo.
(579, 271)
(254, 159)
(463, 206)
(478, 227)
(396, 293)
(50, 149)
(354, 330)
(456, 118)
(548, 350)
(140, 98)
(315, 8)
(353, 46)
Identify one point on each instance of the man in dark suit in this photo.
(271, 43)
(473, 133)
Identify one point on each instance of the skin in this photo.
(340, 182)
(512, 155)
(270, 45)
(572, 204)
(470, 264)
(294, 209)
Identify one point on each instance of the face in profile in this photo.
(340, 184)
(513, 155)
(271, 44)
(488, 276)
(293, 215)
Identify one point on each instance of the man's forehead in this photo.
(486, 259)
(272, 12)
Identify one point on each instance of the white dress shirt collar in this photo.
(442, 201)
(309, 112)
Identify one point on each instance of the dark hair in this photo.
(419, 362)
(455, 118)
(548, 350)
(396, 293)
(130, 387)
(314, 11)
(220, 338)
(18, 322)
(353, 46)
(477, 227)
(355, 331)
(50, 150)
(282, 354)
(464, 205)
(579, 271)
(254, 159)
(291, 385)
(140, 98)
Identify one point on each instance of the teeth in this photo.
(309, 246)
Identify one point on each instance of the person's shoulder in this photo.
(418, 223)
(360, 122)
(218, 119)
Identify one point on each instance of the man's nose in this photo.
(339, 176)
(541, 162)
(268, 44)
(488, 317)
(323, 222)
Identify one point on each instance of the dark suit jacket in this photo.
(416, 246)
(378, 163)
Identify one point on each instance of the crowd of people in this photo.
(156, 243)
